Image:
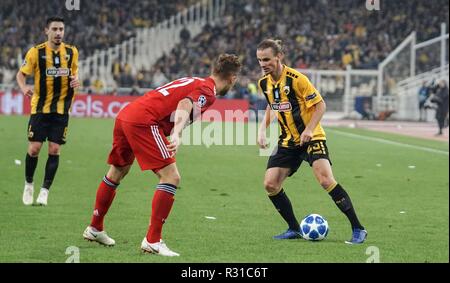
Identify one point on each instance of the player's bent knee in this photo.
(34, 151)
(116, 173)
(125, 170)
(326, 182)
(54, 152)
(176, 179)
(54, 149)
(271, 187)
(173, 178)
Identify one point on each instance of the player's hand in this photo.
(262, 141)
(175, 142)
(74, 82)
(306, 136)
(28, 91)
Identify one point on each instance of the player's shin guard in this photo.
(161, 205)
(30, 167)
(284, 207)
(50, 170)
(105, 195)
(344, 203)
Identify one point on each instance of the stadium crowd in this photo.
(97, 25)
(350, 35)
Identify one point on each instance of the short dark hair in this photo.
(226, 65)
(54, 19)
(275, 45)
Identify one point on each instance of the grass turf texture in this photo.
(226, 182)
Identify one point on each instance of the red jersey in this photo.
(157, 106)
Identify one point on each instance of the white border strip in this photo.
(159, 142)
(388, 142)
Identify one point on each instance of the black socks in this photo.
(284, 207)
(343, 202)
(30, 167)
(50, 170)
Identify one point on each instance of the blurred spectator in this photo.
(344, 34)
(135, 91)
(367, 113)
(440, 97)
(159, 78)
(116, 70)
(325, 34)
(185, 35)
(97, 25)
(97, 86)
(423, 96)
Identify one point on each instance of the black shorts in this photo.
(51, 127)
(293, 157)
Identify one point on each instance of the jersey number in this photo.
(178, 83)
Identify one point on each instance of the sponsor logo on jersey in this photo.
(57, 72)
(311, 97)
(281, 107)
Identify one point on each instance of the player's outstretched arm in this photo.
(182, 114)
(21, 81)
(269, 116)
(74, 82)
(307, 134)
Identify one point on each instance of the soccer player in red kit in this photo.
(140, 132)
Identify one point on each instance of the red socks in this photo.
(161, 205)
(105, 196)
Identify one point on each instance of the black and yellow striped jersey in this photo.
(292, 97)
(51, 69)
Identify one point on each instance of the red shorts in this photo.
(146, 143)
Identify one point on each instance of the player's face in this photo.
(268, 61)
(55, 32)
(230, 84)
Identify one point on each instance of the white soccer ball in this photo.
(314, 227)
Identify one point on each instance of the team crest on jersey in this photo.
(281, 107)
(57, 72)
(201, 101)
(286, 90)
(67, 57)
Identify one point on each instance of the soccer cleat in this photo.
(43, 196)
(358, 237)
(159, 248)
(28, 192)
(100, 237)
(289, 234)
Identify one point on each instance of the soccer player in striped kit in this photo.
(54, 65)
(299, 108)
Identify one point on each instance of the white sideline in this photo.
(388, 142)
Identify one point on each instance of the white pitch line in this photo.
(389, 142)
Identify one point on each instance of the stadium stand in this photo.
(347, 37)
(98, 25)
(351, 35)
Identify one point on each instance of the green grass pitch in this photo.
(400, 193)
